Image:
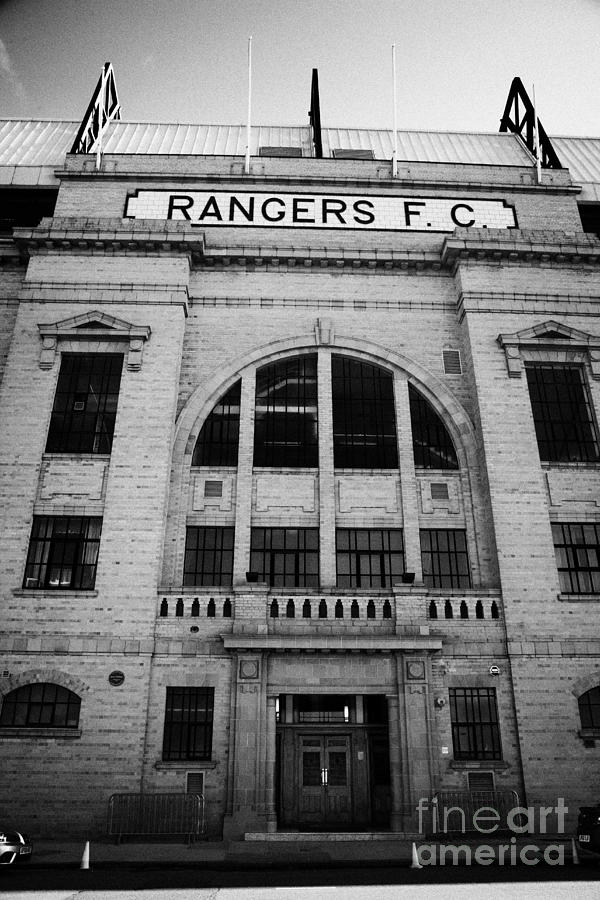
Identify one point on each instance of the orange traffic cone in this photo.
(415, 864)
(85, 859)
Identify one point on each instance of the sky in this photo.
(186, 60)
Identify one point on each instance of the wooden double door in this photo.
(324, 780)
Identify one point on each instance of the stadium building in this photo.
(299, 471)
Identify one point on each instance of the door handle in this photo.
(326, 771)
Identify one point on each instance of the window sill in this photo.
(589, 733)
(7, 733)
(577, 598)
(62, 454)
(574, 464)
(46, 593)
(180, 765)
(498, 765)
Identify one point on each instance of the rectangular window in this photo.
(208, 556)
(364, 415)
(562, 413)
(63, 553)
(445, 559)
(475, 728)
(577, 549)
(369, 557)
(286, 557)
(285, 426)
(188, 723)
(85, 404)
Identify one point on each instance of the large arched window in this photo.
(285, 428)
(217, 443)
(589, 708)
(364, 417)
(40, 706)
(432, 444)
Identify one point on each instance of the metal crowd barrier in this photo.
(455, 810)
(156, 814)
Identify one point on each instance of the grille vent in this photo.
(194, 783)
(439, 491)
(481, 781)
(452, 365)
(213, 488)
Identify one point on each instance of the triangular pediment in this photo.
(89, 321)
(550, 330)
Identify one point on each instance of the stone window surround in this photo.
(107, 332)
(404, 370)
(550, 341)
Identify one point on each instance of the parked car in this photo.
(588, 831)
(15, 847)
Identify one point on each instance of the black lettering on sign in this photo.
(247, 213)
(180, 203)
(278, 216)
(298, 210)
(455, 218)
(336, 208)
(212, 210)
(358, 207)
(409, 212)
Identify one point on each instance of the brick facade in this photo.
(218, 303)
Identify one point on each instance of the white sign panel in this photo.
(338, 211)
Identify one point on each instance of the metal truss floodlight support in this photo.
(520, 117)
(103, 108)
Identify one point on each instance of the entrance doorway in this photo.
(324, 781)
(333, 762)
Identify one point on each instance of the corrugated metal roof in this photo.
(581, 156)
(41, 143)
(35, 143)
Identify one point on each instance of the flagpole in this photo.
(100, 122)
(395, 138)
(247, 165)
(536, 138)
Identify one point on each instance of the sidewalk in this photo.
(257, 854)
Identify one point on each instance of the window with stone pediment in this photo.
(562, 413)
(85, 403)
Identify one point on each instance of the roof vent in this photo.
(280, 151)
(481, 781)
(452, 364)
(352, 154)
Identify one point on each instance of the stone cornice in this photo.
(106, 235)
(498, 245)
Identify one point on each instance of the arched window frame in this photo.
(589, 712)
(21, 695)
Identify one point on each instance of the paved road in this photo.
(390, 883)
